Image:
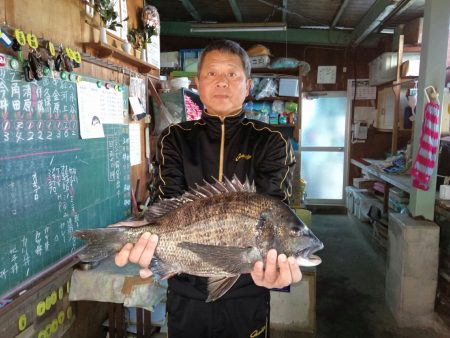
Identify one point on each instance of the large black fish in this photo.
(216, 230)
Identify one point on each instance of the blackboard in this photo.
(51, 181)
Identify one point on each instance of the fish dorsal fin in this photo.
(204, 191)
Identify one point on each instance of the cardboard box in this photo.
(153, 51)
(288, 87)
(190, 64)
(185, 54)
(259, 61)
(363, 183)
(412, 32)
(170, 59)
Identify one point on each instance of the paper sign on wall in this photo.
(326, 74)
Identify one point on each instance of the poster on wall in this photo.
(98, 106)
(153, 51)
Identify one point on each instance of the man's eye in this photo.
(211, 73)
(232, 74)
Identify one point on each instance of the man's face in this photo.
(222, 84)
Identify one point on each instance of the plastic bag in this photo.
(264, 87)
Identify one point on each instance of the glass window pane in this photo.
(323, 172)
(323, 122)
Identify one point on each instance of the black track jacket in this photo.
(191, 151)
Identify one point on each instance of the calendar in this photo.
(363, 90)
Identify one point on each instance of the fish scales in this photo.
(226, 225)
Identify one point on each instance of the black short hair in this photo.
(227, 46)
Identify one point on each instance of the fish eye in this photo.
(295, 232)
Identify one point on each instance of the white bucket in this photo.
(179, 82)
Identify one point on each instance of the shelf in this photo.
(412, 48)
(279, 71)
(403, 81)
(402, 182)
(273, 98)
(400, 130)
(104, 51)
(287, 125)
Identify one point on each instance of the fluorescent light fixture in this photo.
(238, 27)
(387, 31)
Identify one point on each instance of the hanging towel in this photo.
(428, 147)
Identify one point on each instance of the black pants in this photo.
(246, 317)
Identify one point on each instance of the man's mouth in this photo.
(221, 96)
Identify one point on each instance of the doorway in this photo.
(323, 145)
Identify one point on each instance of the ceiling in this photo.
(330, 22)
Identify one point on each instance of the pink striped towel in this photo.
(428, 148)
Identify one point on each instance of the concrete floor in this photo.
(350, 285)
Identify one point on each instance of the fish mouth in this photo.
(307, 257)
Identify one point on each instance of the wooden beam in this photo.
(236, 10)
(373, 18)
(3, 11)
(284, 11)
(338, 15)
(187, 4)
(292, 36)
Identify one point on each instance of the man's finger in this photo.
(145, 273)
(139, 248)
(296, 273)
(146, 257)
(271, 273)
(121, 258)
(285, 277)
(258, 273)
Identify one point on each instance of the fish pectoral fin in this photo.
(231, 259)
(218, 286)
(159, 267)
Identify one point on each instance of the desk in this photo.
(402, 182)
(119, 287)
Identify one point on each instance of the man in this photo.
(221, 144)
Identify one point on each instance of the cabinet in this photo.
(291, 83)
(386, 99)
(391, 92)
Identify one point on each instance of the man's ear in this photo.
(196, 81)
(248, 84)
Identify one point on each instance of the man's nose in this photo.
(222, 81)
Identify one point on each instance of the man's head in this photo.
(223, 78)
(230, 47)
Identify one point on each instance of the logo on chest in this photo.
(241, 156)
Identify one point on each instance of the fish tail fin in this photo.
(100, 243)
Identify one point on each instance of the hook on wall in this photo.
(431, 94)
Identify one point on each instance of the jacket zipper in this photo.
(222, 148)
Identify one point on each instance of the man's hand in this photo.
(140, 253)
(271, 277)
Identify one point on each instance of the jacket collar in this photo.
(214, 122)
